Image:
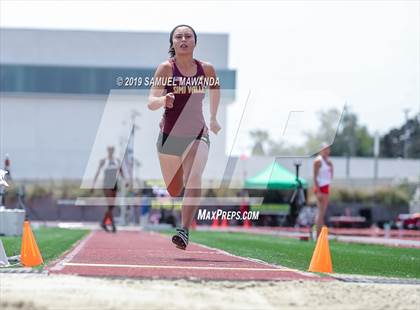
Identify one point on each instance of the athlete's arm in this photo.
(156, 97)
(317, 165)
(101, 163)
(214, 90)
(332, 169)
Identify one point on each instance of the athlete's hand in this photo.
(169, 100)
(214, 126)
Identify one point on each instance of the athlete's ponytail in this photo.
(171, 50)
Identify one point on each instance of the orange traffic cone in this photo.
(29, 255)
(215, 223)
(321, 259)
(224, 223)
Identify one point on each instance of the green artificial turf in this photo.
(51, 241)
(347, 258)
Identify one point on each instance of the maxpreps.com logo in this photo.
(2, 175)
(204, 214)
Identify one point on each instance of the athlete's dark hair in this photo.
(171, 48)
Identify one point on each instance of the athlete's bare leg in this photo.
(172, 171)
(110, 195)
(322, 208)
(193, 164)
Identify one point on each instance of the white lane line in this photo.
(173, 267)
(258, 261)
(60, 265)
(249, 259)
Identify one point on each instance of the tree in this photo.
(264, 145)
(260, 139)
(364, 142)
(347, 136)
(326, 131)
(352, 139)
(403, 141)
(277, 149)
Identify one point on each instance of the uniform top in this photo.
(111, 167)
(185, 118)
(324, 173)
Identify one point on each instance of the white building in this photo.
(54, 90)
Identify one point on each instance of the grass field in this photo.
(52, 242)
(348, 258)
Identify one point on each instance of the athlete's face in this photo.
(110, 151)
(325, 152)
(183, 40)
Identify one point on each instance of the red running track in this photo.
(151, 255)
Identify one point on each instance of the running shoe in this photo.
(104, 227)
(180, 239)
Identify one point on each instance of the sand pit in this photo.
(41, 291)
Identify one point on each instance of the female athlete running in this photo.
(183, 142)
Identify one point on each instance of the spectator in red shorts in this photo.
(323, 174)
